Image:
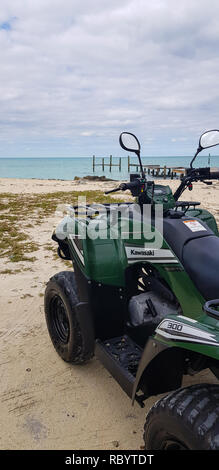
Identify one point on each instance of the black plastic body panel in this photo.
(107, 305)
(160, 369)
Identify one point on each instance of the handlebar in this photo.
(124, 186)
(192, 174)
(195, 174)
(214, 175)
(112, 191)
(201, 174)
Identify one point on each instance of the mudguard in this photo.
(153, 351)
(85, 320)
(164, 352)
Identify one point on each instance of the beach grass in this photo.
(19, 213)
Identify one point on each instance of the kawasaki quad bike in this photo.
(144, 298)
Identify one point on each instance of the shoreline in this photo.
(37, 185)
(76, 178)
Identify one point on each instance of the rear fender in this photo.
(205, 216)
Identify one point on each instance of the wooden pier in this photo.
(151, 170)
(110, 164)
(157, 170)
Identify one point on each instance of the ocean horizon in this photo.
(67, 168)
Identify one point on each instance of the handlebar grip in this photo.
(134, 184)
(214, 175)
(131, 185)
(112, 191)
(124, 186)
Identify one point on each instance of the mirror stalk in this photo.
(197, 152)
(140, 163)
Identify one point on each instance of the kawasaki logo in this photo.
(142, 252)
(156, 255)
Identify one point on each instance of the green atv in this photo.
(144, 298)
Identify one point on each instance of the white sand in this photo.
(15, 185)
(46, 403)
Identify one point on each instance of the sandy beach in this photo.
(46, 403)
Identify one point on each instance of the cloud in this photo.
(75, 74)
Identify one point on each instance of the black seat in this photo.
(198, 251)
(201, 261)
(177, 233)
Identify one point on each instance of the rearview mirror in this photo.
(129, 142)
(209, 139)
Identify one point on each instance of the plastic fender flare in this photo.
(85, 321)
(152, 349)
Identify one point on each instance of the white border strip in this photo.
(79, 253)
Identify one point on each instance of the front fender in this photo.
(162, 363)
(160, 369)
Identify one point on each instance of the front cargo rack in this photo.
(213, 312)
(91, 210)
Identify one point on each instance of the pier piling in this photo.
(103, 163)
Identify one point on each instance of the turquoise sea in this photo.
(68, 168)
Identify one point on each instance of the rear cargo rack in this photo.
(212, 311)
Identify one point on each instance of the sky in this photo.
(75, 74)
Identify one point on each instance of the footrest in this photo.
(121, 357)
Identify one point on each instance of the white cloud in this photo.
(71, 70)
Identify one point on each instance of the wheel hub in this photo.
(61, 322)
